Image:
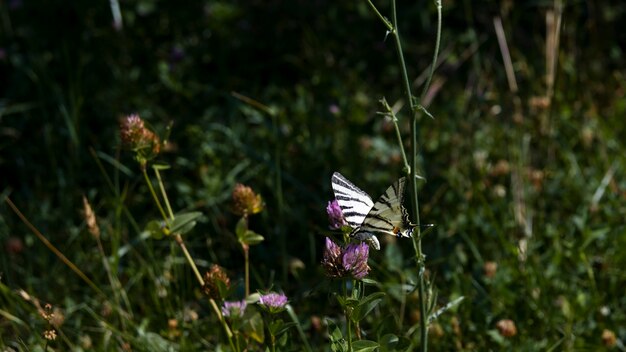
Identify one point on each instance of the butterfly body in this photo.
(387, 215)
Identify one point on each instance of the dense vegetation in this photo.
(524, 161)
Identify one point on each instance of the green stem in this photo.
(165, 198)
(436, 53)
(381, 17)
(348, 321)
(181, 243)
(417, 240)
(405, 75)
(394, 119)
(154, 195)
(295, 319)
(229, 333)
(246, 257)
(179, 239)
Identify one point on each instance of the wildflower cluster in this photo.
(234, 309)
(137, 137)
(245, 201)
(273, 302)
(48, 315)
(350, 261)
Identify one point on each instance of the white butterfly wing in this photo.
(388, 215)
(354, 203)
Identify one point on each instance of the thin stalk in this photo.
(273, 341)
(115, 283)
(181, 243)
(165, 198)
(405, 75)
(179, 239)
(295, 319)
(381, 17)
(246, 257)
(154, 195)
(417, 243)
(436, 52)
(394, 119)
(54, 249)
(348, 321)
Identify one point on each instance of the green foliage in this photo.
(536, 188)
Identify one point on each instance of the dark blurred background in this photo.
(503, 167)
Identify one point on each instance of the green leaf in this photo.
(394, 257)
(388, 342)
(393, 343)
(283, 328)
(241, 229)
(364, 345)
(334, 333)
(154, 342)
(447, 307)
(370, 282)
(253, 326)
(275, 325)
(251, 238)
(160, 166)
(156, 229)
(184, 222)
(496, 337)
(222, 288)
(366, 305)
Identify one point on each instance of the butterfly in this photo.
(388, 215)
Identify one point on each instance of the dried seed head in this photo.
(506, 327)
(316, 323)
(245, 201)
(501, 168)
(57, 318)
(14, 245)
(50, 335)
(436, 330)
(46, 312)
(490, 269)
(212, 281)
(90, 219)
(608, 338)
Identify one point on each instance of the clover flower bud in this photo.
(335, 215)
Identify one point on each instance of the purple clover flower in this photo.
(332, 259)
(234, 308)
(344, 262)
(355, 260)
(273, 302)
(335, 216)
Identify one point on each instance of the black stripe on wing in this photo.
(388, 215)
(354, 203)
